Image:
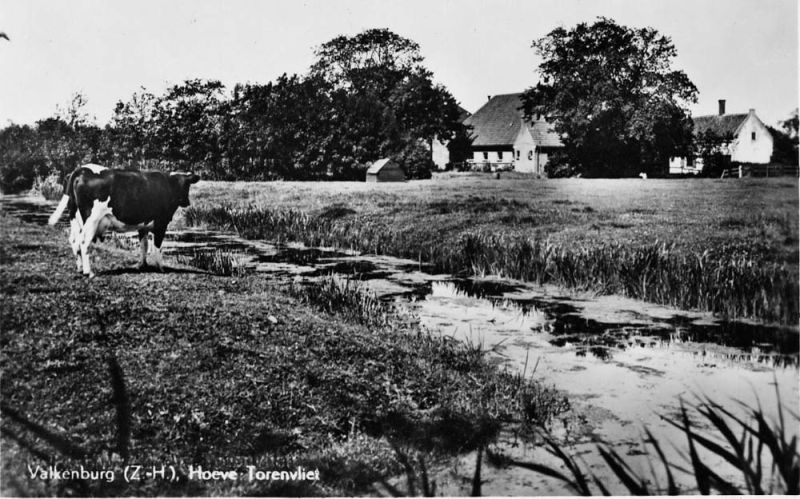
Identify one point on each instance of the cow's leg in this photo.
(75, 236)
(143, 236)
(159, 230)
(75, 227)
(92, 228)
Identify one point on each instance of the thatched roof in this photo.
(722, 125)
(498, 123)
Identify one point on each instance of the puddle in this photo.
(623, 363)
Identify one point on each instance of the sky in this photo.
(744, 51)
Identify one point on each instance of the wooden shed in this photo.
(385, 170)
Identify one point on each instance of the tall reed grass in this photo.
(763, 452)
(349, 298)
(218, 262)
(728, 281)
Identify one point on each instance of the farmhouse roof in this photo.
(721, 125)
(498, 122)
(378, 165)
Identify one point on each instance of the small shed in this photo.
(385, 170)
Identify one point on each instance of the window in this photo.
(517, 154)
(753, 136)
(485, 155)
(499, 155)
(530, 155)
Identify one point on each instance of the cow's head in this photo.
(180, 183)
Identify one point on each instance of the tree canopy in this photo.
(387, 98)
(613, 96)
(365, 97)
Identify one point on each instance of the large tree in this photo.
(613, 96)
(385, 100)
(188, 121)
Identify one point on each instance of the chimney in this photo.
(488, 97)
(752, 111)
(721, 107)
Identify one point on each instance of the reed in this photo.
(218, 262)
(730, 281)
(765, 453)
(348, 298)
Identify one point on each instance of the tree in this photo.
(790, 125)
(188, 122)
(713, 149)
(133, 130)
(785, 141)
(612, 95)
(384, 102)
(20, 158)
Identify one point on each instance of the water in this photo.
(622, 363)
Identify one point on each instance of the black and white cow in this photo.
(101, 199)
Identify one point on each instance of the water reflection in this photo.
(755, 343)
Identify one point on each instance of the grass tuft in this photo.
(218, 262)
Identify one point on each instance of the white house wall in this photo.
(748, 150)
(440, 154)
(525, 149)
(493, 156)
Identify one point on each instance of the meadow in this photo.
(190, 368)
(729, 246)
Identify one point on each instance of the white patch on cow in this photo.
(642, 175)
(96, 169)
(157, 257)
(75, 238)
(95, 224)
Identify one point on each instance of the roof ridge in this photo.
(726, 115)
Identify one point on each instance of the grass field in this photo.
(729, 246)
(187, 368)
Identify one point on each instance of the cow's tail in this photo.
(62, 205)
(65, 199)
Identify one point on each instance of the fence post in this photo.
(740, 171)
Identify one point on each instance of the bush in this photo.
(18, 174)
(558, 167)
(50, 188)
(415, 160)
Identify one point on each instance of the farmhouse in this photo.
(743, 139)
(385, 170)
(503, 139)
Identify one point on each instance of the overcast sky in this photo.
(745, 51)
